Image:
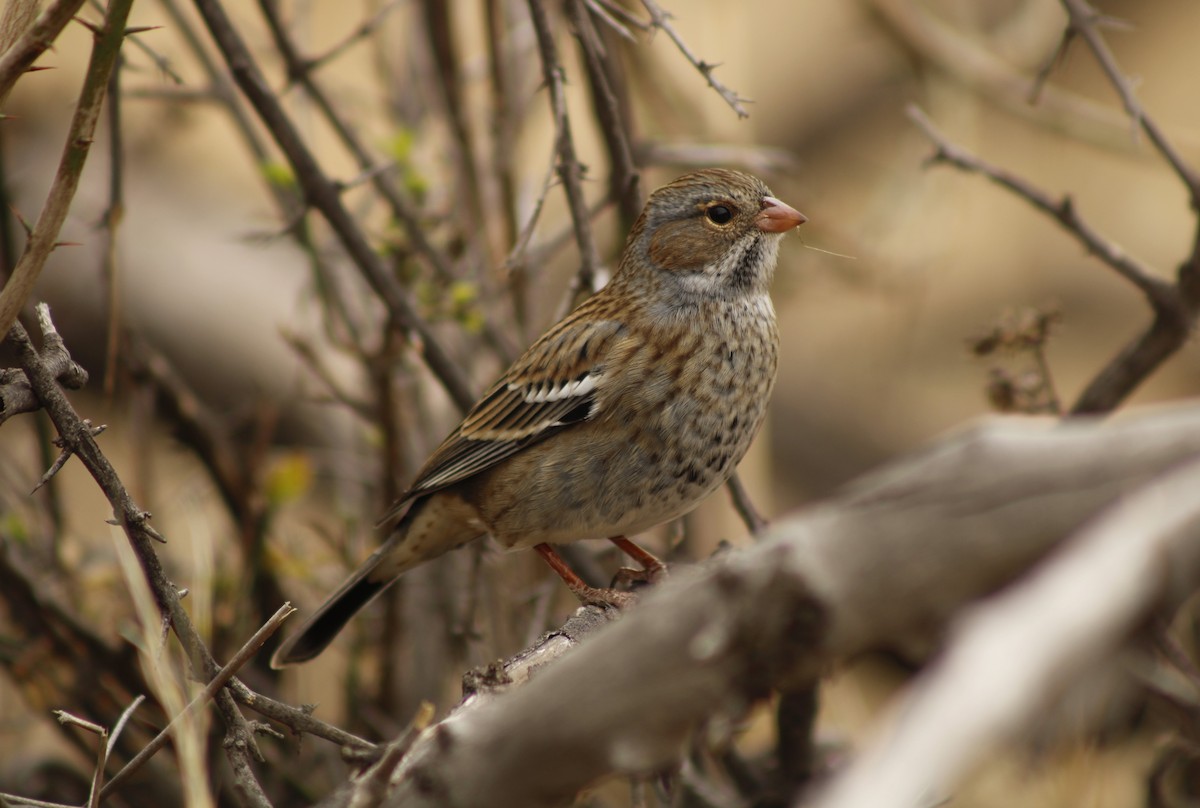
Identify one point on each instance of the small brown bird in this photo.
(624, 415)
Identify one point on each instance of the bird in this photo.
(624, 415)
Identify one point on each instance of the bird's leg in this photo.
(586, 594)
(652, 564)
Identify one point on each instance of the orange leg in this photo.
(650, 562)
(586, 594)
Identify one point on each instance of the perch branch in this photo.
(884, 565)
(1050, 629)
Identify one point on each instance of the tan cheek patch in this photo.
(684, 245)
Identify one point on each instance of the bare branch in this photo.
(570, 170)
(887, 564)
(20, 55)
(661, 21)
(1083, 22)
(244, 655)
(1160, 293)
(44, 238)
(135, 522)
(323, 194)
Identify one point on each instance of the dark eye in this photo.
(719, 214)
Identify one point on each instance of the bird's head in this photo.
(711, 233)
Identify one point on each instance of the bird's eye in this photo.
(719, 214)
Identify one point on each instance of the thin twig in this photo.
(365, 29)
(244, 655)
(501, 69)
(1161, 293)
(323, 194)
(20, 56)
(570, 170)
(111, 222)
(1083, 19)
(624, 185)
(662, 22)
(135, 524)
(105, 49)
(742, 503)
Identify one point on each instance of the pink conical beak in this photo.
(778, 217)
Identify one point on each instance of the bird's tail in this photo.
(375, 574)
(319, 630)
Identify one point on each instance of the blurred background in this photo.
(224, 287)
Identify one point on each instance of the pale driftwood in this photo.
(887, 564)
(1011, 658)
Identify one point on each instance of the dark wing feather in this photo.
(554, 385)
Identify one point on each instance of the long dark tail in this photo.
(319, 630)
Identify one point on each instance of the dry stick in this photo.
(363, 31)
(323, 194)
(503, 149)
(447, 78)
(101, 751)
(661, 21)
(1083, 19)
(112, 219)
(570, 171)
(744, 506)
(15, 61)
(624, 185)
(300, 71)
(134, 521)
(1159, 292)
(1174, 304)
(297, 719)
(244, 654)
(105, 48)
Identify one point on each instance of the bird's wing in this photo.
(554, 385)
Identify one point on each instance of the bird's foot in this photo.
(604, 598)
(631, 580)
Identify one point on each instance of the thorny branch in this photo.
(42, 240)
(661, 20)
(570, 170)
(20, 55)
(323, 194)
(1176, 304)
(134, 521)
(78, 437)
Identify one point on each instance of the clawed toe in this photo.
(631, 580)
(605, 598)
